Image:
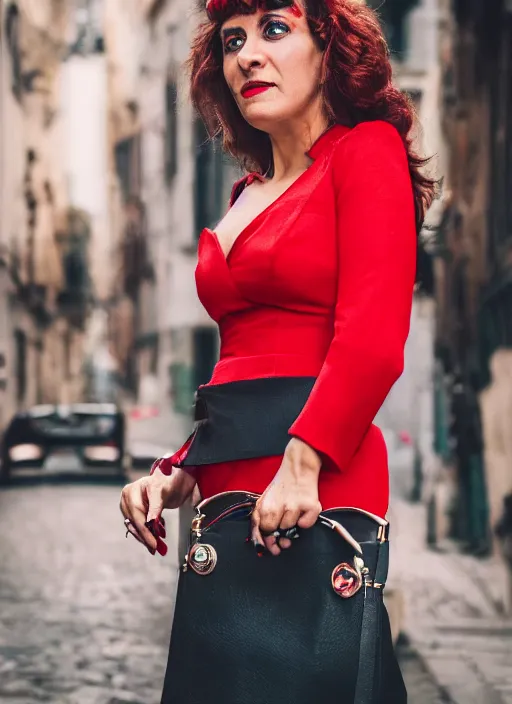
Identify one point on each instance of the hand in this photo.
(144, 500)
(291, 499)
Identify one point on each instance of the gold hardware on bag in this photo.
(197, 522)
(202, 558)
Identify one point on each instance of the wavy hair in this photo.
(357, 84)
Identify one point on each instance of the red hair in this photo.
(357, 84)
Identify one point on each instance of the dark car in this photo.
(65, 438)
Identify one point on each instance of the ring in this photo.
(127, 523)
(279, 533)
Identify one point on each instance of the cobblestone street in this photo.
(85, 614)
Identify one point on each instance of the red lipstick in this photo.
(252, 88)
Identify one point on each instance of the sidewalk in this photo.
(452, 612)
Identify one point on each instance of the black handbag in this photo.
(306, 627)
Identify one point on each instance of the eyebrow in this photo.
(271, 13)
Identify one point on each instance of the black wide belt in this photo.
(245, 419)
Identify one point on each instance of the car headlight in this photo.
(102, 453)
(25, 452)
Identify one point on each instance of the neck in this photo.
(290, 144)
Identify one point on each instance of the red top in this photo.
(320, 283)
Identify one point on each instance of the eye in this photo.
(233, 43)
(275, 29)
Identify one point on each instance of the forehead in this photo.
(222, 10)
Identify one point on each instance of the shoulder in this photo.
(371, 138)
(374, 146)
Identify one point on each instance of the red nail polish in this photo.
(161, 547)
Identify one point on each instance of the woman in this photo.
(310, 273)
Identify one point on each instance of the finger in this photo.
(132, 508)
(155, 503)
(272, 545)
(309, 517)
(139, 521)
(123, 505)
(256, 537)
(285, 543)
(156, 527)
(269, 522)
(133, 532)
(290, 518)
(135, 502)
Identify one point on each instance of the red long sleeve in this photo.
(376, 239)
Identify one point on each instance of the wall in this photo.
(170, 200)
(84, 109)
(409, 405)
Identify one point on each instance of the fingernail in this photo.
(156, 528)
(161, 547)
(150, 550)
(150, 525)
(260, 549)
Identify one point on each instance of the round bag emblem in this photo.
(202, 558)
(346, 580)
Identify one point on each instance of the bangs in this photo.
(222, 10)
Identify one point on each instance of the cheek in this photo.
(301, 73)
(229, 72)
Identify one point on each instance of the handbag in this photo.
(305, 627)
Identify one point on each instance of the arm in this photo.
(376, 236)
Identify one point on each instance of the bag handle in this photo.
(249, 499)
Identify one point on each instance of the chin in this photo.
(264, 117)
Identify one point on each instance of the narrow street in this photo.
(85, 614)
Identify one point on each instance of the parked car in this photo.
(76, 437)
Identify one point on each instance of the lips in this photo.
(252, 88)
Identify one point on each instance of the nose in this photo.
(250, 57)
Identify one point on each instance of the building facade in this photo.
(473, 266)
(413, 32)
(39, 340)
(172, 181)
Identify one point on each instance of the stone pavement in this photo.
(452, 616)
(85, 614)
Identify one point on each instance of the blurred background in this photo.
(106, 179)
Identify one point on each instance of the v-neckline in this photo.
(245, 230)
(313, 153)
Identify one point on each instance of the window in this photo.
(128, 166)
(208, 191)
(393, 14)
(12, 34)
(205, 343)
(20, 342)
(171, 132)
(500, 206)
